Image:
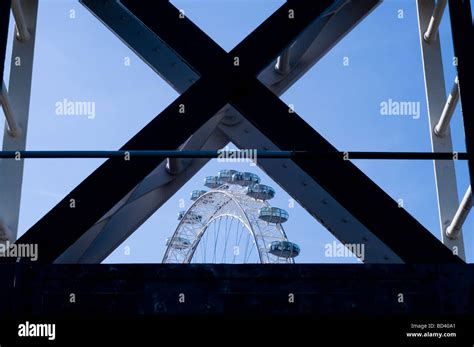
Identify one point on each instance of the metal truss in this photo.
(221, 106)
(174, 69)
(220, 88)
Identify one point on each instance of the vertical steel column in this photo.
(4, 22)
(19, 90)
(5, 232)
(463, 37)
(445, 176)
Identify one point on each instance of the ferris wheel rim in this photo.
(202, 229)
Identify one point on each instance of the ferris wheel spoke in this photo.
(242, 232)
(206, 235)
(203, 249)
(224, 252)
(251, 249)
(247, 247)
(217, 239)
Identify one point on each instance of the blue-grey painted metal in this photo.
(19, 91)
(233, 290)
(156, 53)
(445, 175)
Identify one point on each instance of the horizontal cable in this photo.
(230, 154)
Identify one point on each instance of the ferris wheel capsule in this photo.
(226, 175)
(273, 215)
(245, 179)
(260, 192)
(213, 182)
(195, 194)
(284, 249)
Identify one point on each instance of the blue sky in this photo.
(79, 59)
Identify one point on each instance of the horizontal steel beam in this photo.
(231, 290)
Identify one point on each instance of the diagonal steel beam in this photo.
(283, 30)
(343, 180)
(113, 180)
(311, 45)
(207, 58)
(100, 241)
(142, 202)
(311, 196)
(150, 48)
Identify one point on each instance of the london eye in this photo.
(232, 222)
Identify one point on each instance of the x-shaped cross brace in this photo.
(230, 78)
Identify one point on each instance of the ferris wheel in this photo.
(231, 223)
